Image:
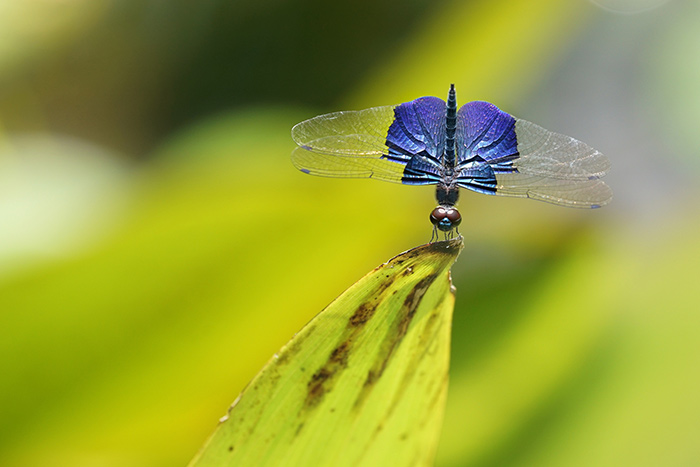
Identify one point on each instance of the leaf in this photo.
(364, 383)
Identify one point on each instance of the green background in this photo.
(157, 246)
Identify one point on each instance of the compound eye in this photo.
(454, 216)
(445, 218)
(438, 215)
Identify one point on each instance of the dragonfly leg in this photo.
(435, 236)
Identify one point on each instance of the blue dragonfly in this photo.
(428, 141)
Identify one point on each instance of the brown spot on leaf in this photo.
(363, 313)
(340, 354)
(322, 381)
(315, 388)
(398, 331)
(371, 378)
(366, 310)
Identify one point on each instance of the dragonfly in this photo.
(479, 147)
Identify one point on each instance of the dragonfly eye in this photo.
(445, 218)
(454, 216)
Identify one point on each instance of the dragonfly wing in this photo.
(485, 133)
(486, 145)
(543, 152)
(332, 165)
(592, 193)
(504, 155)
(394, 143)
(416, 138)
(360, 133)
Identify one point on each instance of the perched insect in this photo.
(430, 142)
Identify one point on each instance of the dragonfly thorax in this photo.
(446, 194)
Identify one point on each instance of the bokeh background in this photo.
(157, 246)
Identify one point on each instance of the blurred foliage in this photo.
(157, 247)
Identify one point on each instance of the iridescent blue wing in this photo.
(500, 154)
(394, 143)
(417, 138)
(485, 144)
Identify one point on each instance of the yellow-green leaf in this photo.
(364, 383)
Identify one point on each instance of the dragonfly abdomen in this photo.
(450, 128)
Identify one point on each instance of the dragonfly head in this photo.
(445, 218)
